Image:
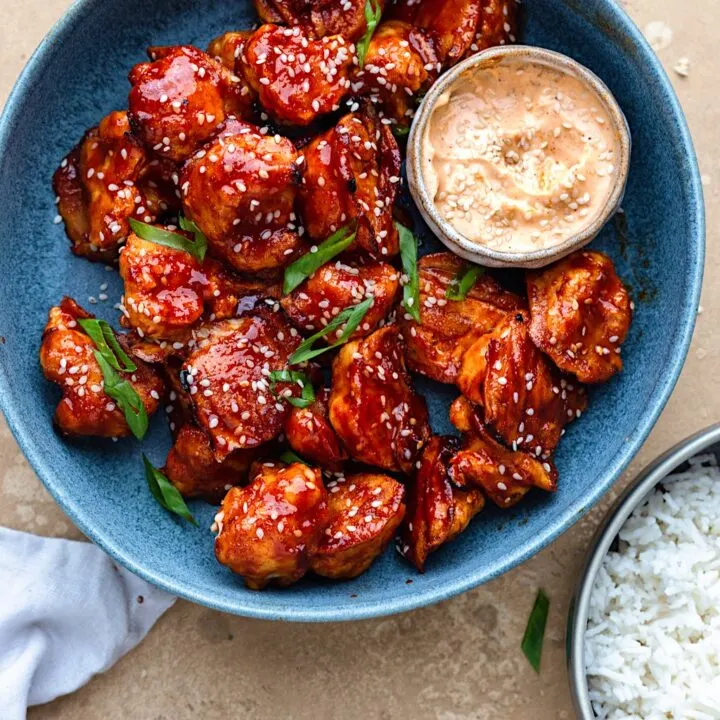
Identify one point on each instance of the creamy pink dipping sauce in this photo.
(520, 156)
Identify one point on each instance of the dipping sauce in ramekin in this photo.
(522, 153)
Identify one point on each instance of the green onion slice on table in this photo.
(351, 316)
(197, 247)
(532, 642)
(307, 396)
(165, 492)
(305, 266)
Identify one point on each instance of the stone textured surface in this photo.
(458, 660)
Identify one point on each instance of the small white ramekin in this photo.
(480, 254)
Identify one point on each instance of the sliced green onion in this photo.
(400, 132)
(124, 394)
(408, 256)
(289, 457)
(464, 282)
(532, 642)
(166, 493)
(197, 247)
(373, 11)
(304, 267)
(307, 396)
(351, 316)
(107, 344)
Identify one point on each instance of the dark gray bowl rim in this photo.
(45, 470)
(632, 498)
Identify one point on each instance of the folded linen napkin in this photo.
(67, 612)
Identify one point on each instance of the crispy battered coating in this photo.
(228, 47)
(373, 407)
(104, 181)
(436, 345)
(168, 291)
(297, 79)
(438, 511)
(400, 65)
(352, 173)
(269, 530)
(228, 379)
(521, 392)
(180, 99)
(338, 285)
(192, 468)
(506, 476)
(240, 190)
(580, 313)
(67, 359)
(364, 511)
(310, 434)
(317, 18)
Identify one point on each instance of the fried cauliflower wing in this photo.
(317, 18)
(297, 79)
(240, 190)
(437, 510)
(228, 378)
(67, 359)
(352, 175)
(309, 433)
(580, 313)
(505, 476)
(192, 468)
(401, 64)
(499, 25)
(180, 99)
(336, 286)
(436, 345)
(228, 47)
(522, 394)
(268, 531)
(103, 182)
(364, 512)
(373, 408)
(168, 291)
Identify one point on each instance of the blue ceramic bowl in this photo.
(79, 74)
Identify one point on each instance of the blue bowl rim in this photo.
(304, 613)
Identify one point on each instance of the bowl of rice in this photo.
(644, 626)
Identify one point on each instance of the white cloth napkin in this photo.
(67, 612)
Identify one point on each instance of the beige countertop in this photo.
(457, 660)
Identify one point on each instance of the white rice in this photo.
(652, 644)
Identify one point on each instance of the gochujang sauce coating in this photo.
(67, 359)
(364, 512)
(352, 176)
(318, 18)
(437, 510)
(401, 64)
(297, 79)
(228, 375)
(436, 345)
(505, 476)
(268, 531)
(240, 190)
(168, 291)
(499, 25)
(580, 314)
(181, 98)
(338, 285)
(373, 408)
(192, 468)
(103, 182)
(309, 433)
(228, 47)
(522, 394)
